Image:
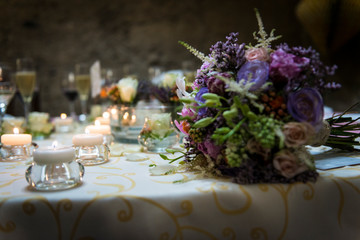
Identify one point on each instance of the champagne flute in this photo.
(7, 89)
(69, 89)
(82, 83)
(25, 78)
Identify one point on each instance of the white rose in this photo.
(127, 89)
(159, 123)
(169, 80)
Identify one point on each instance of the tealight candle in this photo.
(100, 129)
(87, 139)
(105, 119)
(64, 120)
(54, 154)
(16, 138)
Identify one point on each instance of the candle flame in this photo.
(63, 116)
(87, 131)
(106, 115)
(16, 131)
(113, 111)
(97, 123)
(133, 118)
(54, 144)
(126, 115)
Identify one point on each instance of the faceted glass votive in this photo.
(91, 149)
(92, 155)
(54, 169)
(14, 153)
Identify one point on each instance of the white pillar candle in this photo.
(49, 155)
(16, 138)
(97, 128)
(103, 121)
(87, 139)
(63, 120)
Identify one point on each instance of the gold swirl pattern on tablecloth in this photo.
(222, 208)
(30, 209)
(229, 233)
(256, 234)
(120, 187)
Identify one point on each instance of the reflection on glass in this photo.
(25, 78)
(70, 91)
(82, 83)
(7, 89)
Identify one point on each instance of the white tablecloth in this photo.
(122, 200)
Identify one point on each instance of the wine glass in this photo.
(82, 83)
(25, 78)
(7, 89)
(70, 91)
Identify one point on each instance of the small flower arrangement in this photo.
(158, 133)
(39, 126)
(158, 126)
(125, 91)
(253, 110)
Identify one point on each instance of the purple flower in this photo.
(285, 66)
(258, 70)
(216, 85)
(200, 99)
(306, 105)
(209, 148)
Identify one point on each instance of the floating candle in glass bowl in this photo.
(63, 124)
(16, 138)
(54, 168)
(105, 119)
(91, 149)
(16, 147)
(105, 130)
(98, 128)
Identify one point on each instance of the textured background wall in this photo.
(58, 34)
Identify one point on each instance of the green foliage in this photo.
(263, 39)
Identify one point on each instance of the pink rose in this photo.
(260, 54)
(288, 164)
(297, 134)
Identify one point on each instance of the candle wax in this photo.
(87, 139)
(46, 155)
(16, 139)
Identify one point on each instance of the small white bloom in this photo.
(181, 91)
(159, 123)
(127, 89)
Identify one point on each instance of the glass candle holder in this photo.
(158, 133)
(54, 169)
(14, 153)
(63, 124)
(127, 121)
(90, 149)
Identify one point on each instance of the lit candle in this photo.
(87, 139)
(105, 119)
(98, 128)
(16, 138)
(54, 154)
(63, 120)
(128, 120)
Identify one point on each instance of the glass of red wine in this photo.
(69, 89)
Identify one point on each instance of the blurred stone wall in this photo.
(141, 33)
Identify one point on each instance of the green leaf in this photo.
(164, 156)
(203, 122)
(186, 100)
(210, 96)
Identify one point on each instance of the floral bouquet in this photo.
(253, 110)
